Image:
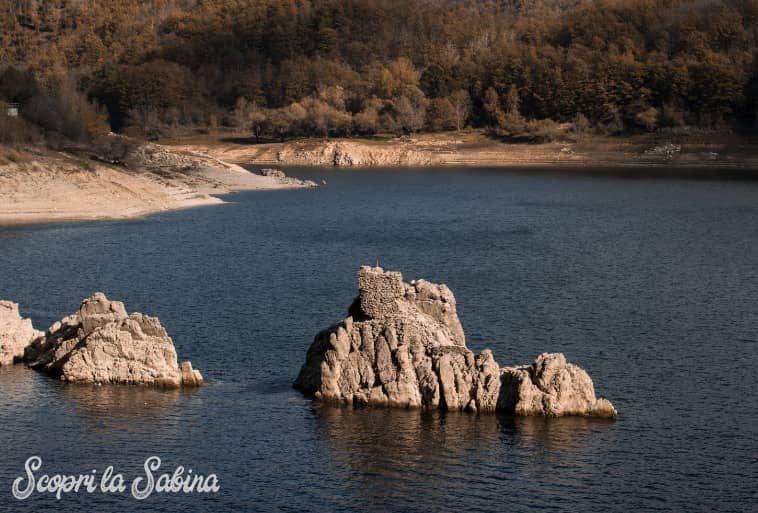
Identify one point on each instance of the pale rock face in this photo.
(276, 173)
(16, 333)
(102, 344)
(403, 346)
(98, 311)
(553, 388)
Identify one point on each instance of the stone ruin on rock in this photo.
(402, 345)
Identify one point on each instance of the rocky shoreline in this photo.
(41, 185)
(402, 345)
(472, 148)
(100, 343)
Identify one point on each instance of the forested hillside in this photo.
(344, 67)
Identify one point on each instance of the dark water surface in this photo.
(651, 285)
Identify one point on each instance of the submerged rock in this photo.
(16, 333)
(102, 344)
(403, 346)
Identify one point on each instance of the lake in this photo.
(651, 285)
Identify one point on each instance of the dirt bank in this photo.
(475, 149)
(40, 185)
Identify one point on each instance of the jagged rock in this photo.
(276, 173)
(403, 345)
(553, 388)
(101, 343)
(350, 153)
(283, 178)
(157, 158)
(190, 376)
(16, 333)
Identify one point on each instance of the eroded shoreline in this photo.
(474, 149)
(41, 185)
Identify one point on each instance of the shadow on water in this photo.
(455, 460)
(18, 387)
(122, 407)
(114, 409)
(367, 440)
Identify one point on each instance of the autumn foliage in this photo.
(282, 68)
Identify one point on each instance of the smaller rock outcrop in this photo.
(402, 345)
(16, 333)
(276, 173)
(103, 344)
(283, 178)
(551, 387)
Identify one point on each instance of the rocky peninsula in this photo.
(121, 178)
(98, 344)
(402, 345)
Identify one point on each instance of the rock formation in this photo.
(102, 344)
(403, 346)
(276, 173)
(16, 333)
(279, 175)
(355, 154)
(551, 387)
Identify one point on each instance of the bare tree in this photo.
(461, 102)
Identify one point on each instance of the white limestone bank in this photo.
(40, 185)
(402, 345)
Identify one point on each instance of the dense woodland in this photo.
(523, 70)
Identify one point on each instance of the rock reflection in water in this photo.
(19, 389)
(123, 407)
(400, 454)
(548, 440)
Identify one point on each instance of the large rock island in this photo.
(100, 343)
(402, 345)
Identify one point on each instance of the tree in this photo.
(367, 120)
(512, 101)
(407, 116)
(287, 121)
(258, 120)
(139, 94)
(18, 85)
(247, 116)
(175, 62)
(441, 114)
(581, 125)
(324, 119)
(241, 114)
(491, 106)
(397, 77)
(648, 118)
(461, 102)
(716, 88)
(68, 113)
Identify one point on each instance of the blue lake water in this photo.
(650, 285)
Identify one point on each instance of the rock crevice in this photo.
(402, 345)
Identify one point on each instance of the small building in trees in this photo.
(12, 109)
